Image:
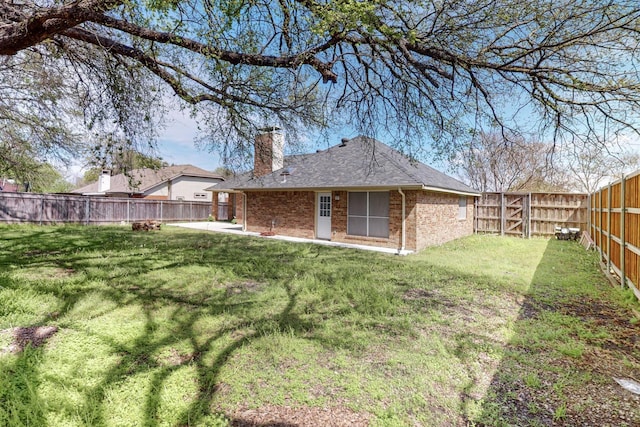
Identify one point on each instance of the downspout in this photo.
(404, 227)
(244, 211)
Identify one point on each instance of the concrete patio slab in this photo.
(227, 227)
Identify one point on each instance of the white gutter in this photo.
(444, 190)
(404, 225)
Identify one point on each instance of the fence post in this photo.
(589, 224)
(529, 217)
(503, 214)
(623, 240)
(600, 215)
(609, 203)
(190, 211)
(41, 207)
(87, 212)
(161, 217)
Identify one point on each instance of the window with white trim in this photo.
(200, 196)
(325, 206)
(462, 207)
(368, 214)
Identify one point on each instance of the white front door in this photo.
(324, 216)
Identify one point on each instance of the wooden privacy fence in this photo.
(53, 208)
(529, 214)
(615, 229)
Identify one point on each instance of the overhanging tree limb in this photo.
(23, 25)
(432, 69)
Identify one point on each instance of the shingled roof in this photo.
(142, 180)
(361, 162)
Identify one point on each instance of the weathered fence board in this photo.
(53, 208)
(223, 211)
(614, 216)
(530, 214)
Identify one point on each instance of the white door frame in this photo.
(323, 215)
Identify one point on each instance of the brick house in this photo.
(178, 182)
(9, 185)
(360, 191)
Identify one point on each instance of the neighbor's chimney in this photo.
(104, 181)
(269, 151)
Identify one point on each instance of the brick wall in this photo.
(289, 213)
(214, 205)
(411, 198)
(437, 219)
(431, 218)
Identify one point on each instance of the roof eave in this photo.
(323, 188)
(448, 190)
(176, 176)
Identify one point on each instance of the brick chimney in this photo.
(269, 152)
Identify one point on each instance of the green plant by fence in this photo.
(614, 222)
(53, 209)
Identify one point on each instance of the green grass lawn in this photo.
(181, 327)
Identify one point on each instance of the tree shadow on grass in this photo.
(20, 377)
(244, 258)
(558, 367)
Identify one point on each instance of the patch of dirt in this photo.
(625, 336)
(576, 391)
(248, 286)
(176, 358)
(423, 299)
(419, 294)
(284, 416)
(34, 336)
(594, 403)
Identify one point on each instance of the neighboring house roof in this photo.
(8, 185)
(360, 162)
(142, 180)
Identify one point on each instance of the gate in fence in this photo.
(529, 214)
(223, 211)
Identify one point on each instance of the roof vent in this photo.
(343, 142)
(287, 172)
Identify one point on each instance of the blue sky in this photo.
(176, 144)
